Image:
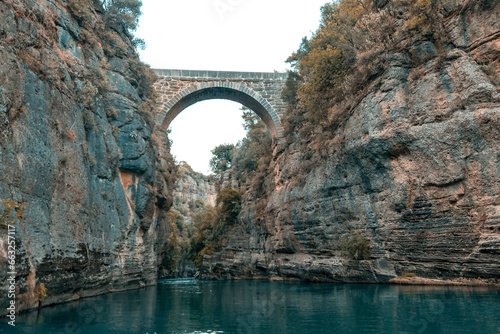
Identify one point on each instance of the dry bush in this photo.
(89, 121)
(99, 78)
(407, 274)
(12, 212)
(88, 37)
(69, 135)
(143, 78)
(87, 94)
(113, 45)
(111, 113)
(357, 245)
(82, 10)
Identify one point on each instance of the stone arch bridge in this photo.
(261, 92)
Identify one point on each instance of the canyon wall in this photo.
(414, 170)
(79, 149)
(191, 186)
(192, 193)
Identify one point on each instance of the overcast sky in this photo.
(224, 35)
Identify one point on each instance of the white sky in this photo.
(224, 35)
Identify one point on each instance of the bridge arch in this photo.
(261, 92)
(227, 91)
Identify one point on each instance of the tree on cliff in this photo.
(125, 12)
(255, 150)
(221, 158)
(121, 16)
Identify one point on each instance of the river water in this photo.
(189, 306)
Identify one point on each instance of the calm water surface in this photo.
(188, 306)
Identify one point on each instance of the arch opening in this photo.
(235, 93)
(201, 127)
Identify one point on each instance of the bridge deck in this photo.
(220, 74)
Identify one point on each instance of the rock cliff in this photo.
(79, 149)
(414, 169)
(193, 193)
(191, 186)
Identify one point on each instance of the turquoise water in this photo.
(189, 306)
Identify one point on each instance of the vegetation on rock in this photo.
(253, 154)
(350, 48)
(383, 101)
(221, 158)
(250, 156)
(212, 224)
(12, 212)
(42, 292)
(356, 245)
(73, 87)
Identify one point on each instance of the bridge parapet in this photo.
(221, 74)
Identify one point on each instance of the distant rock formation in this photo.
(191, 186)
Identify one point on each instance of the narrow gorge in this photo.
(385, 162)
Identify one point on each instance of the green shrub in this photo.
(229, 205)
(122, 13)
(254, 152)
(172, 254)
(289, 93)
(356, 245)
(221, 158)
(206, 238)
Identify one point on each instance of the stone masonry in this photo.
(261, 92)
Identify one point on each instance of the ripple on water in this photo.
(185, 285)
(204, 332)
(178, 281)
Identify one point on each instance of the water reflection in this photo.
(189, 306)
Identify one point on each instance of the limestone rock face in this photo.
(191, 186)
(85, 165)
(192, 192)
(415, 169)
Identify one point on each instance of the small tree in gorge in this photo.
(222, 157)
